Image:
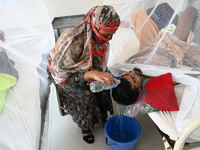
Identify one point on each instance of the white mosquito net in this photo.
(26, 37)
(160, 37)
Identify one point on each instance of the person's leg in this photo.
(145, 29)
(83, 106)
(105, 104)
(186, 23)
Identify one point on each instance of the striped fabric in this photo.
(162, 15)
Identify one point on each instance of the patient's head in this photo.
(128, 90)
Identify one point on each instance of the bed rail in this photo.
(189, 129)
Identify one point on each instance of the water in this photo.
(119, 109)
(119, 133)
(122, 135)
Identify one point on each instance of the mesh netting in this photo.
(161, 37)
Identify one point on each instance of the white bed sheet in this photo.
(29, 37)
(21, 118)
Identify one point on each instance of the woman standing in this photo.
(79, 56)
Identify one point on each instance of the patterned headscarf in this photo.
(79, 48)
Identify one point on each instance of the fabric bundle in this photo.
(162, 15)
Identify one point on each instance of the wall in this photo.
(22, 13)
(57, 8)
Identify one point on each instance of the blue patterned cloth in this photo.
(162, 15)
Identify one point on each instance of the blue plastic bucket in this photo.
(122, 132)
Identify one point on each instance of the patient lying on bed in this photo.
(169, 53)
(161, 48)
(146, 91)
(8, 74)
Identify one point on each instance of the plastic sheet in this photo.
(153, 45)
(28, 39)
(139, 108)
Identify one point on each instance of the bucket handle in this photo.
(108, 143)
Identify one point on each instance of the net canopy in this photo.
(147, 38)
(26, 37)
(160, 37)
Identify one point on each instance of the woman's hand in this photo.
(100, 76)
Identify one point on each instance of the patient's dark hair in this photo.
(124, 94)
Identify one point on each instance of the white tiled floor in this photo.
(64, 134)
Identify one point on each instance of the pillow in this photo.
(123, 45)
(161, 94)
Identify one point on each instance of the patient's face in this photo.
(134, 77)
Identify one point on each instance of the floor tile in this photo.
(64, 134)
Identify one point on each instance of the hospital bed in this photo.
(29, 37)
(125, 44)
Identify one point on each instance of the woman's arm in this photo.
(100, 76)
